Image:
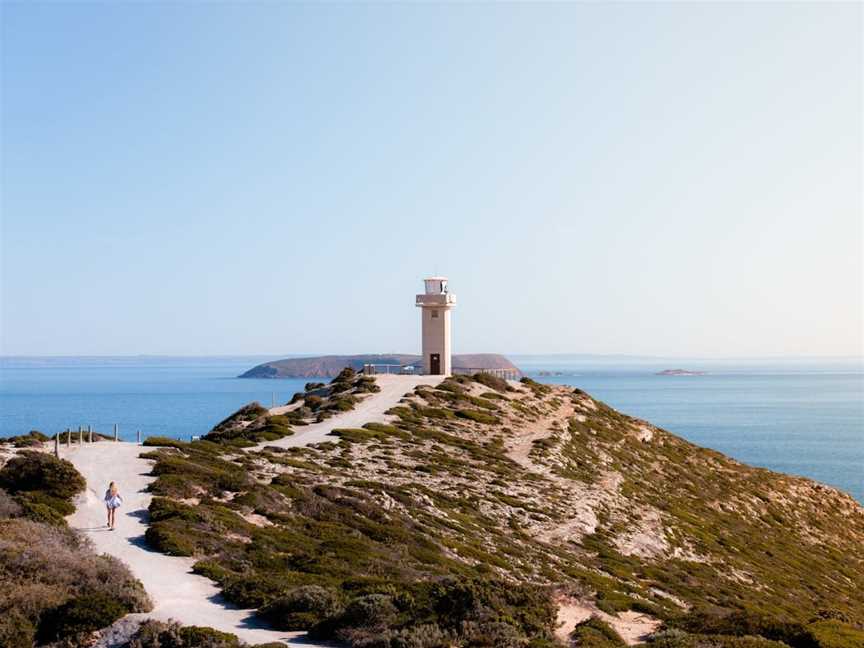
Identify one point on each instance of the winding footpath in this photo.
(176, 592)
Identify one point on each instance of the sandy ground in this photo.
(176, 592)
(632, 626)
(370, 410)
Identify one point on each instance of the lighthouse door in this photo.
(435, 364)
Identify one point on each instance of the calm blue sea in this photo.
(806, 420)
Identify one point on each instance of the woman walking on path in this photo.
(112, 502)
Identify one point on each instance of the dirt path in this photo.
(370, 410)
(176, 592)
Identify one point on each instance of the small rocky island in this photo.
(680, 372)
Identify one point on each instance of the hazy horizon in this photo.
(668, 180)
(285, 355)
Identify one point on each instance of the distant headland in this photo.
(329, 366)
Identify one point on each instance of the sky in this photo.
(679, 179)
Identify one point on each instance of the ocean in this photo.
(805, 419)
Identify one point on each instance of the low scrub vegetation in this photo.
(31, 439)
(41, 486)
(828, 629)
(492, 381)
(253, 424)
(163, 442)
(159, 634)
(438, 529)
(52, 585)
(595, 633)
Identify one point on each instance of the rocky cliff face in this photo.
(330, 366)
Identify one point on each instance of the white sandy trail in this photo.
(176, 592)
(370, 410)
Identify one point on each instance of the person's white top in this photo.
(113, 501)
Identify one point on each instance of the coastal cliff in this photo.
(488, 511)
(329, 366)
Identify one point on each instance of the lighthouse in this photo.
(435, 305)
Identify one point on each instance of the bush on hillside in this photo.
(491, 381)
(9, 506)
(596, 633)
(539, 389)
(344, 376)
(82, 614)
(38, 471)
(301, 608)
(162, 537)
(246, 413)
(158, 634)
(743, 623)
(477, 417)
(163, 442)
(313, 402)
(835, 633)
(32, 438)
(51, 580)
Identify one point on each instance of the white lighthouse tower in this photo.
(435, 305)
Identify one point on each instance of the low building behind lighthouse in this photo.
(435, 306)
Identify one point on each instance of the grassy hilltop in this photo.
(486, 512)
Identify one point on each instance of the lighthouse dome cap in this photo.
(435, 279)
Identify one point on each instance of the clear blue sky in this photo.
(204, 178)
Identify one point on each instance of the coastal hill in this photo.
(329, 366)
(480, 512)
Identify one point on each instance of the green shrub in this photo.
(832, 633)
(477, 416)
(162, 508)
(45, 569)
(311, 386)
(39, 512)
(31, 439)
(491, 381)
(166, 539)
(539, 389)
(61, 506)
(313, 402)
(743, 623)
(163, 442)
(366, 384)
(248, 412)
(39, 471)
(79, 615)
(596, 633)
(158, 634)
(301, 608)
(345, 376)
(198, 637)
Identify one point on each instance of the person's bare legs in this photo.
(108, 508)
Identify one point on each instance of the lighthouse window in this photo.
(434, 314)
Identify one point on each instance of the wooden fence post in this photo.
(115, 432)
(89, 434)
(68, 438)
(57, 445)
(80, 435)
